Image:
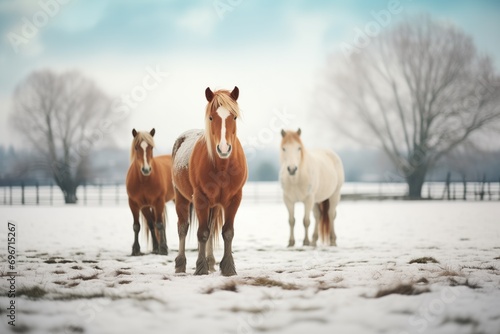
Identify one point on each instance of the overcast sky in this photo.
(274, 51)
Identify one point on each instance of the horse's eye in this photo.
(210, 118)
(235, 117)
(283, 149)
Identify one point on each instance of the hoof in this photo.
(291, 243)
(201, 267)
(180, 264)
(306, 242)
(227, 267)
(136, 251)
(163, 250)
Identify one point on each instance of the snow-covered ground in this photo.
(76, 275)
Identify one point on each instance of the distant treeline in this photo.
(110, 165)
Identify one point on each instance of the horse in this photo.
(149, 187)
(315, 178)
(209, 171)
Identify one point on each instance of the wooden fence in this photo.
(253, 192)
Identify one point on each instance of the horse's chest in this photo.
(297, 192)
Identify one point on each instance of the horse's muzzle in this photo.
(146, 171)
(292, 170)
(226, 154)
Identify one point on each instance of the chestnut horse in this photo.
(313, 177)
(209, 171)
(149, 187)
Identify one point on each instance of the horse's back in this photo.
(330, 172)
(181, 154)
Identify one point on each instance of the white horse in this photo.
(314, 178)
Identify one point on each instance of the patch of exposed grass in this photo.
(448, 271)
(401, 289)
(124, 282)
(462, 321)
(72, 284)
(34, 292)
(267, 282)
(496, 258)
(77, 268)
(59, 272)
(227, 286)
(119, 272)
(480, 268)
(425, 259)
(467, 283)
(89, 261)
(74, 329)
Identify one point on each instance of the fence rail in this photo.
(254, 192)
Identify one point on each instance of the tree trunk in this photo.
(69, 191)
(415, 181)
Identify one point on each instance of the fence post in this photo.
(85, 192)
(51, 193)
(465, 188)
(37, 193)
(5, 195)
(10, 193)
(448, 180)
(22, 193)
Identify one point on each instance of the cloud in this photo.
(200, 21)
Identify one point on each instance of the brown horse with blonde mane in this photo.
(149, 187)
(209, 171)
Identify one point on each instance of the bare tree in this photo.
(62, 116)
(418, 90)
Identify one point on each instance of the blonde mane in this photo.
(138, 139)
(222, 98)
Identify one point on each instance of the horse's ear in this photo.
(283, 133)
(299, 131)
(152, 132)
(134, 133)
(235, 93)
(209, 94)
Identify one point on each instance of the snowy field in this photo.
(400, 267)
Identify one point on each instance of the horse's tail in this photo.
(145, 227)
(216, 221)
(324, 226)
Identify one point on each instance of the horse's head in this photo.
(141, 152)
(292, 151)
(221, 114)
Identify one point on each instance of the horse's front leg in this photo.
(159, 210)
(227, 266)
(308, 205)
(290, 206)
(202, 212)
(134, 207)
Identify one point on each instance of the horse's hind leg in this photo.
(150, 218)
(182, 207)
(317, 219)
(332, 214)
(136, 248)
(160, 227)
(210, 252)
